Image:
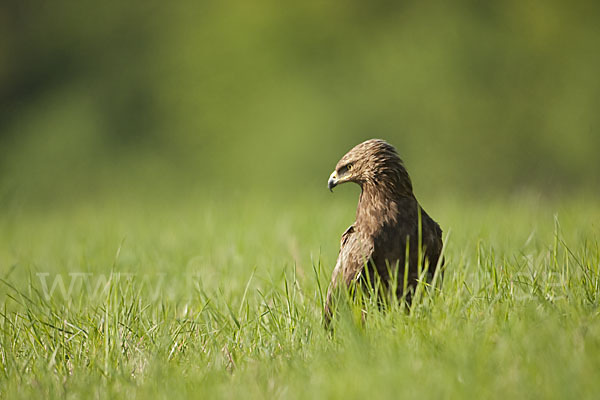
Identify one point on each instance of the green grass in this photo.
(201, 298)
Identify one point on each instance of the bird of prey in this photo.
(386, 229)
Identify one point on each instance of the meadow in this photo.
(175, 298)
(166, 231)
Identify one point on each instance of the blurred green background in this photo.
(213, 97)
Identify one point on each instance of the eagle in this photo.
(389, 221)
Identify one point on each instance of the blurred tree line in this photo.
(478, 97)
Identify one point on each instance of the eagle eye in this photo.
(345, 168)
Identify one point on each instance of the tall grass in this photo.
(225, 300)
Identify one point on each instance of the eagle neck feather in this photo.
(379, 206)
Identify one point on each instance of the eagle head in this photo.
(370, 162)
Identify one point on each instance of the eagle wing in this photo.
(432, 240)
(353, 255)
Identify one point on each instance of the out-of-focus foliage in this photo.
(479, 97)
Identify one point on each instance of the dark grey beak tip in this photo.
(331, 184)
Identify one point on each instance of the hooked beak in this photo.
(333, 181)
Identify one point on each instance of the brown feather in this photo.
(387, 217)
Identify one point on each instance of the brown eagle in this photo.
(387, 223)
